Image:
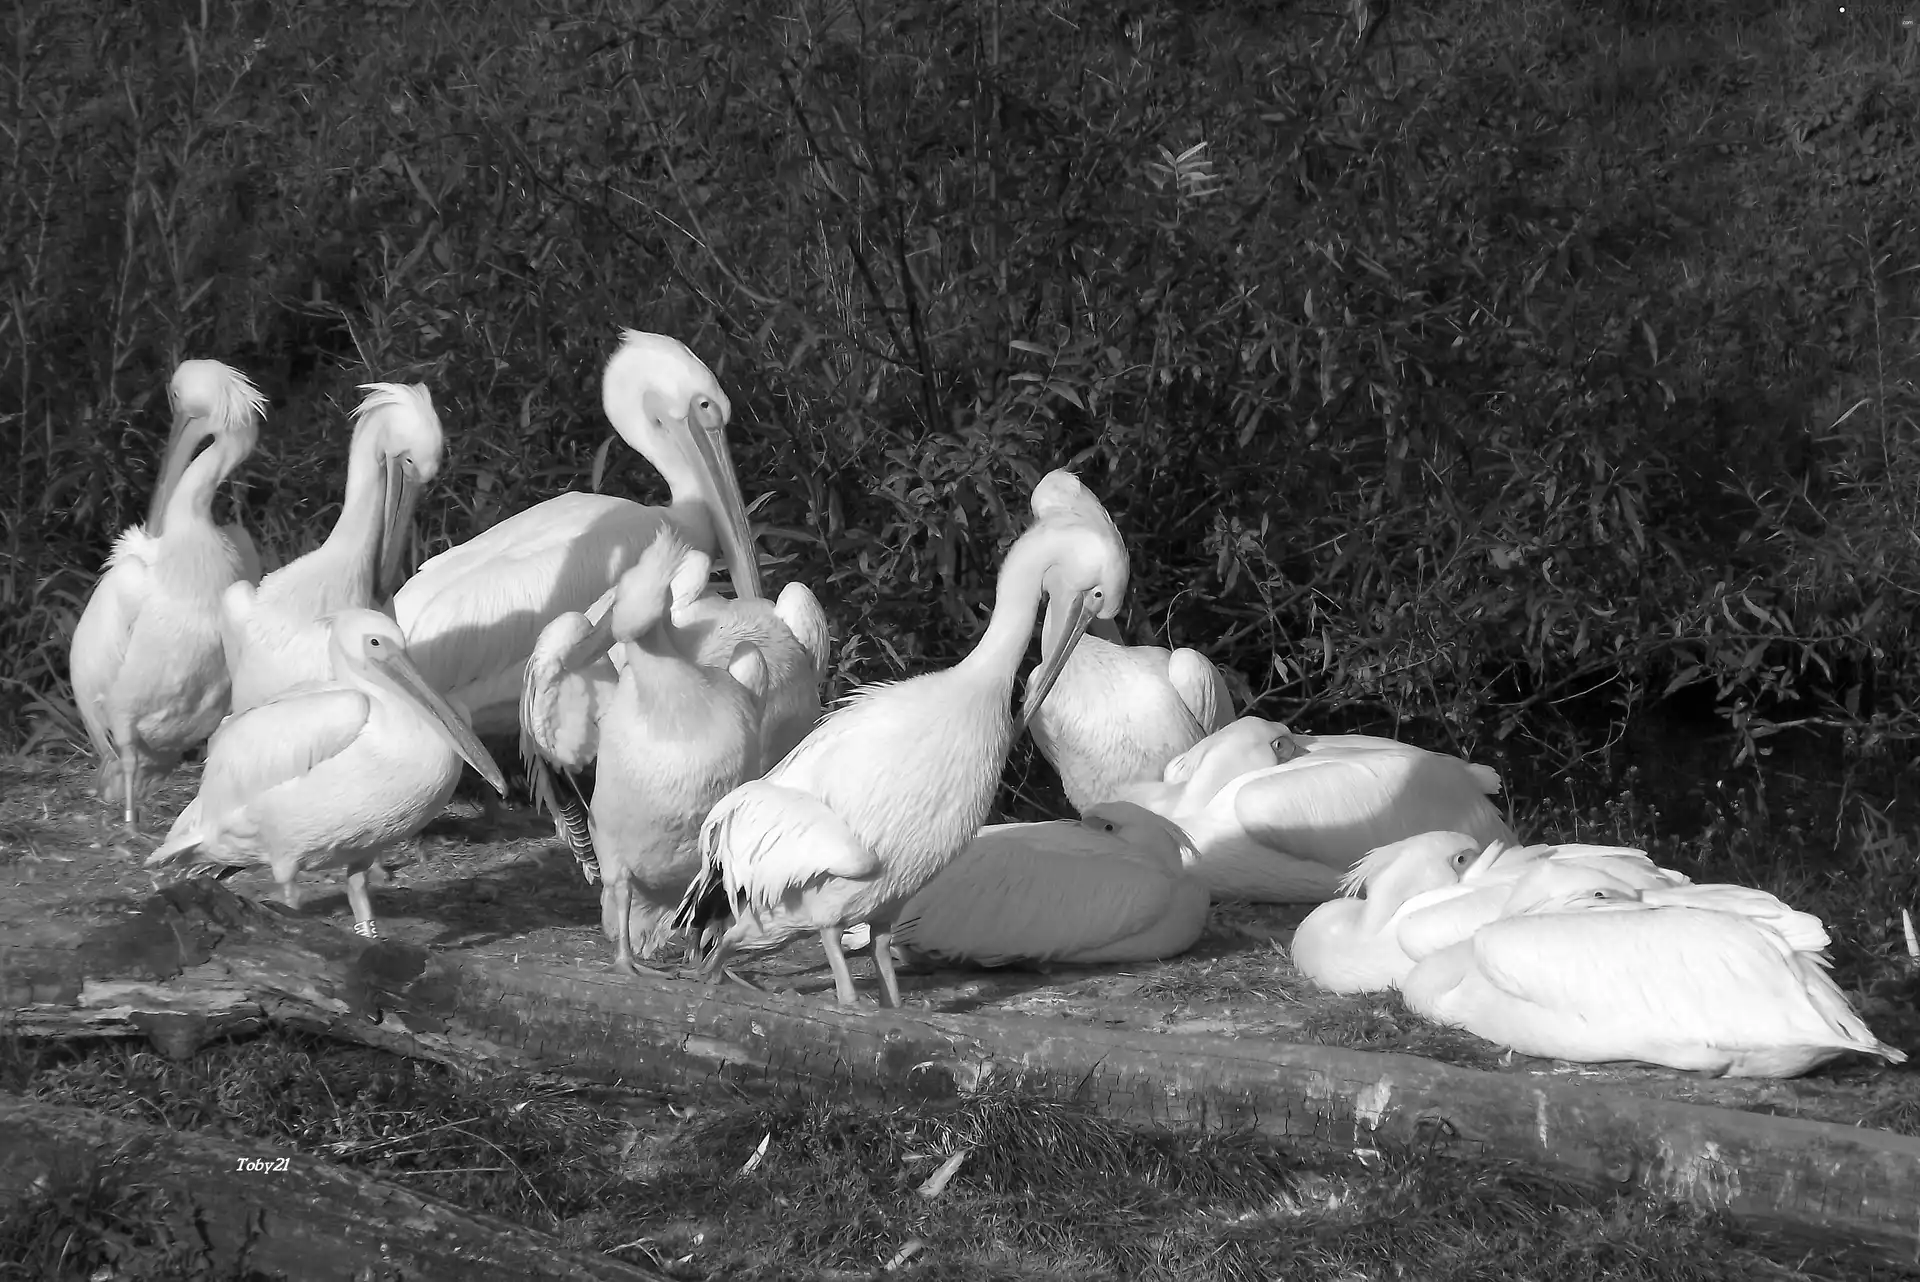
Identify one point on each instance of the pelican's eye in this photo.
(374, 642)
(1461, 858)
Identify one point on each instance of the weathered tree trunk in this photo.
(282, 1213)
(196, 961)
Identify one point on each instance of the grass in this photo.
(1044, 1191)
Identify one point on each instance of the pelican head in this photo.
(1402, 869)
(1251, 743)
(208, 400)
(667, 404)
(411, 446)
(1086, 579)
(1557, 886)
(1142, 828)
(369, 648)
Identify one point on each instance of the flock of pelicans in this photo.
(338, 700)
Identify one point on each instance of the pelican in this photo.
(1197, 775)
(473, 613)
(571, 676)
(895, 782)
(1108, 887)
(675, 737)
(1350, 944)
(329, 775)
(274, 633)
(1287, 833)
(148, 673)
(1118, 713)
(1598, 975)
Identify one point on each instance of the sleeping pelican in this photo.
(1196, 776)
(1288, 832)
(1350, 944)
(1118, 713)
(1600, 975)
(676, 736)
(274, 633)
(572, 674)
(1107, 887)
(895, 782)
(330, 775)
(473, 613)
(148, 674)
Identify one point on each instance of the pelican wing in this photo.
(100, 639)
(257, 750)
(768, 839)
(800, 610)
(1037, 891)
(1202, 688)
(1327, 806)
(1804, 932)
(476, 610)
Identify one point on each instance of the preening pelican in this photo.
(1350, 944)
(1600, 975)
(473, 613)
(1108, 887)
(675, 737)
(148, 673)
(1288, 832)
(572, 674)
(274, 633)
(1119, 713)
(328, 776)
(895, 782)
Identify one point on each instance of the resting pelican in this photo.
(1118, 713)
(895, 782)
(676, 736)
(330, 775)
(473, 613)
(1286, 833)
(148, 674)
(1600, 975)
(274, 633)
(571, 677)
(1197, 775)
(1107, 887)
(1351, 945)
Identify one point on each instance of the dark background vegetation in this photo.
(1506, 369)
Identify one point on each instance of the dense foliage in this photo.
(1483, 359)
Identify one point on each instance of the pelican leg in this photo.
(290, 892)
(126, 785)
(620, 891)
(362, 904)
(837, 960)
(883, 961)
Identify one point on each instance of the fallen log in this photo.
(251, 1206)
(196, 961)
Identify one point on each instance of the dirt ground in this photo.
(509, 889)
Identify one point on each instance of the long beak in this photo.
(594, 645)
(1059, 634)
(706, 428)
(1485, 860)
(396, 524)
(398, 668)
(188, 431)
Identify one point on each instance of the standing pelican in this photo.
(1108, 887)
(274, 633)
(330, 775)
(1118, 713)
(473, 613)
(1599, 974)
(895, 782)
(1286, 833)
(148, 673)
(675, 737)
(571, 676)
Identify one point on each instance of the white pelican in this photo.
(1108, 887)
(330, 775)
(473, 613)
(895, 782)
(1286, 833)
(1350, 944)
(675, 737)
(1119, 713)
(1197, 775)
(1600, 975)
(148, 673)
(572, 674)
(275, 636)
